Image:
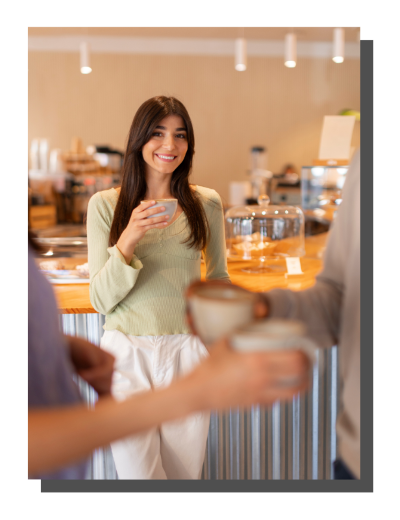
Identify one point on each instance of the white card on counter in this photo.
(293, 265)
(336, 137)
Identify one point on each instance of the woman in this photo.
(139, 268)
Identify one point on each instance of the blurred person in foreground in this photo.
(331, 311)
(62, 431)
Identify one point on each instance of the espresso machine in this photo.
(259, 176)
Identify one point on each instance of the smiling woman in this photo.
(141, 178)
(140, 263)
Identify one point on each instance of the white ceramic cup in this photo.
(217, 310)
(169, 204)
(274, 334)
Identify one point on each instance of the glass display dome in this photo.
(264, 235)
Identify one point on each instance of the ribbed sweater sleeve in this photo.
(215, 251)
(111, 278)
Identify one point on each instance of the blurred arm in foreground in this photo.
(61, 435)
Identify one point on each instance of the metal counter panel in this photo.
(289, 441)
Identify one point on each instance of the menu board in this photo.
(336, 137)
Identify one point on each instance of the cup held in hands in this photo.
(217, 310)
(170, 206)
(275, 334)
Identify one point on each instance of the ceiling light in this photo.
(338, 45)
(85, 61)
(290, 50)
(240, 54)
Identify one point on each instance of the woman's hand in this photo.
(92, 364)
(229, 379)
(137, 227)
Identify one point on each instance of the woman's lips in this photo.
(165, 158)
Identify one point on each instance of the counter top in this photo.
(74, 299)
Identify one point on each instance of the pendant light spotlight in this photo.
(338, 45)
(240, 54)
(290, 50)
(85, 58)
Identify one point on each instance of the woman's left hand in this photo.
(92, 364)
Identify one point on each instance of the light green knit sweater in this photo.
(145, 298)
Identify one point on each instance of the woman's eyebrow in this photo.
(176, 129)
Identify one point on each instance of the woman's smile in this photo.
(166, 158)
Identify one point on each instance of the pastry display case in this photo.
(264, 235)
(321, 186)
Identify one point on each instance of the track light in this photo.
(290, 50)
(240, 54)
(338, 45)
(85, 61)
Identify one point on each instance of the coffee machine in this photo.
(259, 176)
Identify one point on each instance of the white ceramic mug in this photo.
(274, 334)
(169, 204)
(217, 310)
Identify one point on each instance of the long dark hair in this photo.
(133, 184)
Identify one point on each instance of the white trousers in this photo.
(175, 450)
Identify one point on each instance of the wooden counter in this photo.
(74, 299)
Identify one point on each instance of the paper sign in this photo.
(336, 137)
(293, 265)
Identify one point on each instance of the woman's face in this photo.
(167, 147)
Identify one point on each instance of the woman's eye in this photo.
(156, 134)
(181, 136)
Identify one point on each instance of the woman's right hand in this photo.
(137, 227)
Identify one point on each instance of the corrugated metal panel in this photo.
(289, 441)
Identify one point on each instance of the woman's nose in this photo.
(169, 142)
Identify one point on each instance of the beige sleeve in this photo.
(111, 278)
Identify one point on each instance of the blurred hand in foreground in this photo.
(242, 379)
(92, 364)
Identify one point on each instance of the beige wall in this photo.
(231, 111)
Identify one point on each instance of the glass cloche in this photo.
(264, 235)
